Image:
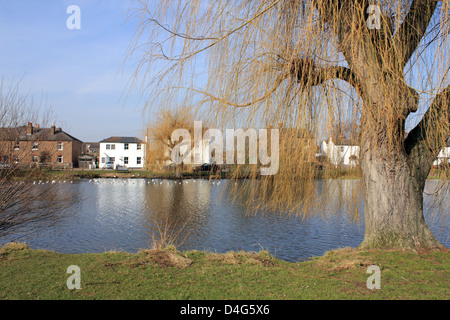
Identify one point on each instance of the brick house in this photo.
(34, 146)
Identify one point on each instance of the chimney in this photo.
(29, 129)
(53, 128)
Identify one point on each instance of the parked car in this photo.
(108, 165)
(121, 168)
(209, 167)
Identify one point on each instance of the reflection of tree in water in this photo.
(176, 209)
(333, 195)
(35, 208)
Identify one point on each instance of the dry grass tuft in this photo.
(166, 258)
(342, 259)
(234, 258)
(15, 246)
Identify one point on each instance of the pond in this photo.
(120, 214)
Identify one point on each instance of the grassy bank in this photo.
(75, 174)
(94, 174)
(172, 275)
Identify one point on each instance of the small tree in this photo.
(161, 144)
(24, 207)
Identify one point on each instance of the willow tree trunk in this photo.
(393, 211)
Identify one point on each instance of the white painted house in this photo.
(123, 151)
(343, 152)
(443, 156)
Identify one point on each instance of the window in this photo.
(16, 145)
(16, 158)
(110, 147)
(35, 146)
(34, 159)
(138, 160)
(60, 146)
(125, 160)
(113, 159)
(59, 159)
(139, 146)
(126, 146)
(103, 160)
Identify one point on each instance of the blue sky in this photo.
(79, 72)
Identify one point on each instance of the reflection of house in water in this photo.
(122, 195)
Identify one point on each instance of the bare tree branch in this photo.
(308, 73)
(426, 140)
(413, 28)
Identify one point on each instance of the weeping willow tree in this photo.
(309, 65)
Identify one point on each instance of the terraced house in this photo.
(35, 146)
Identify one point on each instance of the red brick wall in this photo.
(71, 151)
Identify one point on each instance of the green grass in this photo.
(172, 275)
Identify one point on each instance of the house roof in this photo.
(122, 140)
(38, 134)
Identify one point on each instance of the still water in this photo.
(119, 214)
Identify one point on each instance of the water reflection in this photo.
(116, 214)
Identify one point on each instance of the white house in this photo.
(343, 152)
(443, 156)
(123, 151)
